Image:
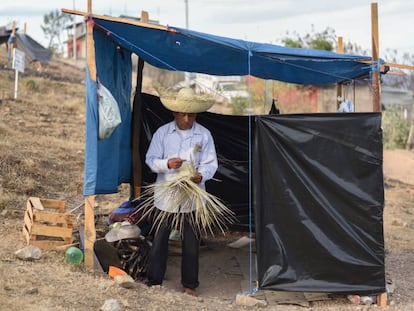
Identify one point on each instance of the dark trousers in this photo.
(189, 256)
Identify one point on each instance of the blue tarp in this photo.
(108, 161)
(187, 50)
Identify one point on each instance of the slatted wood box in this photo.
(46, 225)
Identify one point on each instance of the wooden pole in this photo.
(74, 39)
(376, 99)
(13, 35)
(136, 124)
(144, 16)
(90, 45)
(90, 230)
(136, 130)
(339, 49)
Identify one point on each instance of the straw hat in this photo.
(187, 101)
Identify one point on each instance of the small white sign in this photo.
(18, 60)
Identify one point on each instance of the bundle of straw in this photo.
(183, 194)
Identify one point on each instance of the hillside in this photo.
(42, 154)
(42, 132)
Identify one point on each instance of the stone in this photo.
(29, 252)
(111, 305)
(125, 281)
(248, 301)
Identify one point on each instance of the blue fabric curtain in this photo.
(108, 161)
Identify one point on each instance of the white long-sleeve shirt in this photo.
(169, 142)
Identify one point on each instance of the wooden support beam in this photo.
(90, 232)
(90, 45)
(382, 300)
(136, 121)
(13, 28)
(118, 19)
(144, 16)
(399, 66)
(89, 6)
(13, 35)
(376, 98)
(339, 89)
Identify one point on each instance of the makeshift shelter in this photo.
(4, 34)
(314, 181)
(33, 50)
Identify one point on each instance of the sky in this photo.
(266, 21)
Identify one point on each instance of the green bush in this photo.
(239, 105)
(395, 128)
(31, 85)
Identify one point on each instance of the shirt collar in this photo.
(194, 130)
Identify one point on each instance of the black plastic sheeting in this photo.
(4, 34)
(231, 137)
(317, 193)
(34, 51)
(319, 198)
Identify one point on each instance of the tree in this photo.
(406, 78)
(324, 40)
(55, 23)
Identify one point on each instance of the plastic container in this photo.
(73, 255)
(115, 271)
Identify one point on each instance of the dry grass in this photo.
(42, 141)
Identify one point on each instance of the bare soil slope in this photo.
(42, 153)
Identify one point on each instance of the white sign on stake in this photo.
(17, 64)
(18, 60)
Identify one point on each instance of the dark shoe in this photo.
(190, 291)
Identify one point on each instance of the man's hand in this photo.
(196, 178)
(175, 163)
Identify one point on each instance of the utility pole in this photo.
(186, 14)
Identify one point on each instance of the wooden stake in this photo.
(90, 232)
(382, 300)
(144, 16)
(89, 6)
(376, 99)
(13, 35)
(136, 121)
(90, 45)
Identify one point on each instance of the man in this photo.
(173, 144)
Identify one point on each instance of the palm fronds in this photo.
(184, 196)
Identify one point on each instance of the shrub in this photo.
(239, 105)
(31, 85)
(395, 128)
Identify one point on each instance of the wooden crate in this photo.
(45, 223)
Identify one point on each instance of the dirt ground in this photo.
(41, 154)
